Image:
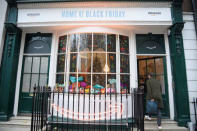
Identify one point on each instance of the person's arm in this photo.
(149, 91)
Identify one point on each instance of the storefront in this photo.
(94, 47)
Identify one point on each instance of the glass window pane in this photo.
(111, 83)
(124, 63)
(38, 43)
(43, 80)
(85, 42)
(124, 44)
(34, 81)
(74, 40)
(162, 82)
(111, 62)
(111, 43)
(28, 64)
(36, 65)
(62, 44)
(150, 44)
(99, 43)
(159, 65)
(60, 79)
(73, 62)
(142, 71)
(99, 62)
(26, 83)
(99, 83)
(142, 67)
(124, 83)
(151, 66)
(84, 62)
(61, 63)
(84, 81)
(44, 65)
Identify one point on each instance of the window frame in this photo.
(67, 53)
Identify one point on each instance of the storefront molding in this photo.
(182, 112)
(102, 23)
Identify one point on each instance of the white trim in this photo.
(47, 24)
(135, 56)
(52, 60)
(169, 75)
(133, 60)
(18, 79)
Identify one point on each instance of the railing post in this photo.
(195, 109)
(32, 114)
(142, 110)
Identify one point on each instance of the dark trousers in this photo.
(158, 117)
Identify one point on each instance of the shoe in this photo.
(148, 118)
(159, 127)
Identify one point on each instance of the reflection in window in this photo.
(99, 62)
(124, 44)
(99, 43)
(60, 78)
(84, 62)
(74, 43)
(124, 83)
(62, 44)
(89, 63)
(151, 64)
(111, 43)
(60, 63)
(124, 64)
(85, 42)
(111, 60)
(73, 62)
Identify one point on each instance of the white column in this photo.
(18, 79)
(53, 60)
(133, 61)
(169, 75)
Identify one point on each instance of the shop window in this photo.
(88, 63)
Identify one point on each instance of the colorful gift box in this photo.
(83, 84)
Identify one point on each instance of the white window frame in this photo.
(102, 31)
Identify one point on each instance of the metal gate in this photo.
(65, 111)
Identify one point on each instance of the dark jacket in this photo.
(154, 91)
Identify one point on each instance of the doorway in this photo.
(157, 66)
(35, 69)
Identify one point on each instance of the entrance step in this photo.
(19, 123)
(167, 125)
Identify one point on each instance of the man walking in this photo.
(154, 93)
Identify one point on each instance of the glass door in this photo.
(157, 66)
(35, 69)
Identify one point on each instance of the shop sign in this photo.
(93, 14)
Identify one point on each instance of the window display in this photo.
(87, 63)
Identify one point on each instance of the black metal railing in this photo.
(60, 110)
(195, 111)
